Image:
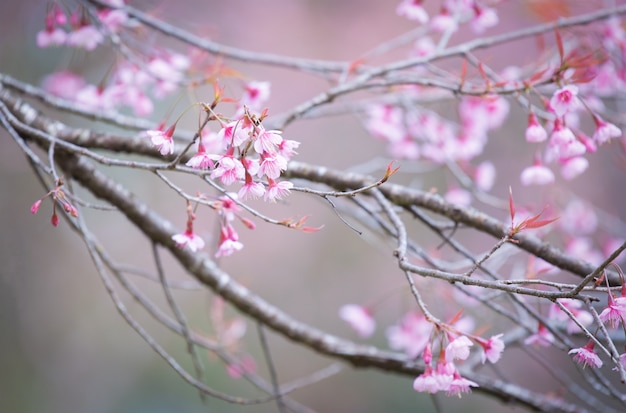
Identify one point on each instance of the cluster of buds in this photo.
(242, 152)
(58, 197)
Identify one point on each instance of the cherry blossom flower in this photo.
(163, 140)
(542, 337)
(251, 189)
(565, 100)
(574, 306)
(435, 380)
(96, 97)
(229, 242)
(411, 336)
(162, 70)
(485, 175)
(460, 385)
(484, 18)
(359, 318)
(586, 356)
(573, 167)
(88, 37)
(234, 133)
(113, 19)
(537, 174)
(51, 37)
(561, 135)
(607, 80)
(227, 207)
(277, 190)
(459, 348)
(202, 159)
(386, 122)
(406, 148)
(189, 239)
(272, 164)
(563, 143)
(287, 148)
(424, 46)
(459, 197)
(535, 132)
(492, 348)
(605, 131)
(255, 95)
(578, 218)
(267, 140)
(140, 102)
(482, 113)
(614, 313)
(429, 382)
(64, 84)
(229, 170)
(444, 22)
(413, 10)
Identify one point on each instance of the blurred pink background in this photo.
(63, 346)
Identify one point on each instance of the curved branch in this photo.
(207, 271)
(339, 180)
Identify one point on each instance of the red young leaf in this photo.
(389, 172)
(532, 223)
(559, 43)
(511, 205)
(354, 65)
(456, 317)
(537, 76)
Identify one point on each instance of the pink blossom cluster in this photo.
(567, 144)
(613, 315)
(230, 332)
(556, 124)
(77, 30)
(244, 152)
(415, 335)
(451, 14)
(421, 134)
(444, 375)
(127, 84)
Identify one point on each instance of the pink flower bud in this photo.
(535, 132)
(35, 207)
(55, 219)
